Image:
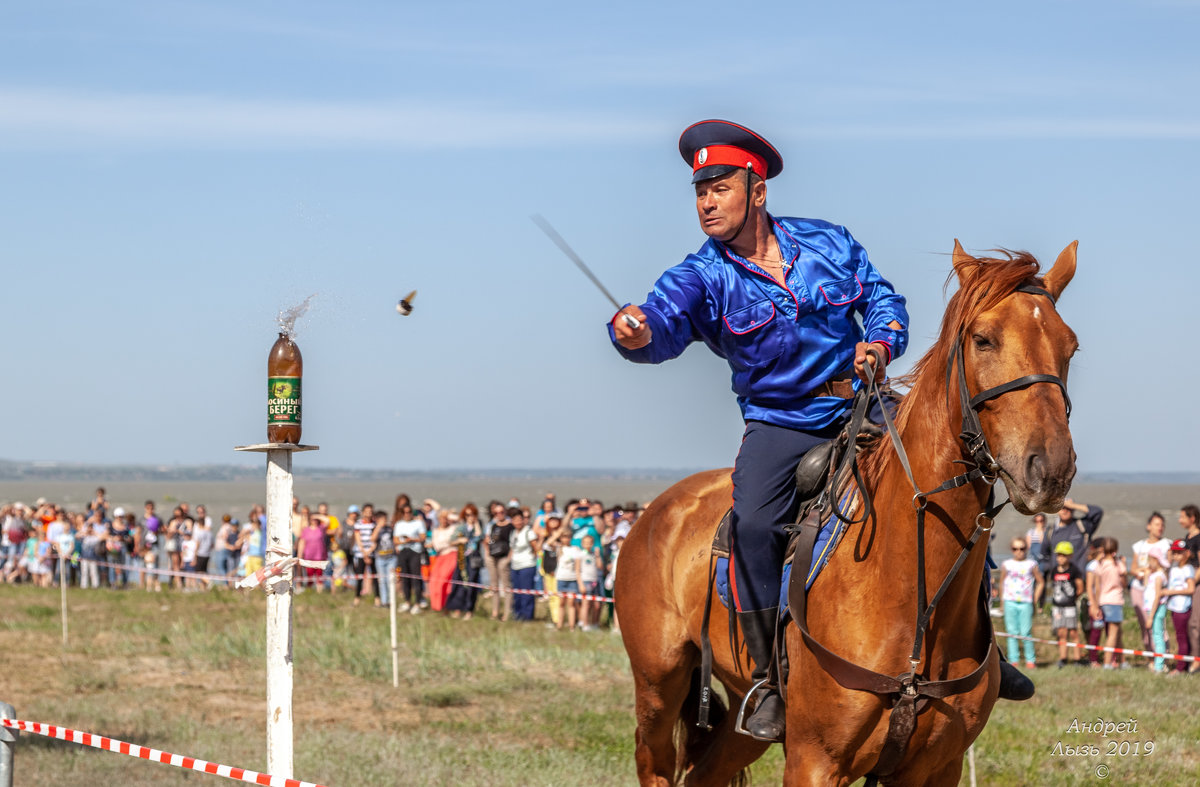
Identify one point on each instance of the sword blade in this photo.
(553, 235)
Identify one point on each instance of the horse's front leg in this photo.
(811, 766)
(948, 775)
(726, 753)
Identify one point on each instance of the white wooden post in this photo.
(280, 748)
(62, 583)
(391, 580)
(8, 741)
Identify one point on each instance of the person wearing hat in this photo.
(1066, 587)
(1181, 584)
(1077, 530)
(780, 299)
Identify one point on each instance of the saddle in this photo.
(822, 481)
(906, 694)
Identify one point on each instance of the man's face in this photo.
(1064, 515)
(721, 204)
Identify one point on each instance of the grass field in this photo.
(479, 703)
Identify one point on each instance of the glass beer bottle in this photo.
(284, 370)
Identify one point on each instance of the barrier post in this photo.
(8, 744)
(279, 604)
(62, 583)
(392, 612)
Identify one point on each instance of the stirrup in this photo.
(739, 725)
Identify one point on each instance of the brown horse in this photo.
(863, 605)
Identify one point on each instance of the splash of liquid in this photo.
(288, 317)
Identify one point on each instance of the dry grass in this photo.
(479, 703)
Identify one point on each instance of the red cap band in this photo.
(713, 155)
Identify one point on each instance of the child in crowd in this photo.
(187, 552)
(1181, 584)
(1109, 603)
(1020, 582)
(591, 564)
(1154, 610)
(1066, 586)
(1151, 549)
(1095, 626)
(341, 569)
(149, 580)
(567, 578)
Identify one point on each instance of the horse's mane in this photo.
(983, 283)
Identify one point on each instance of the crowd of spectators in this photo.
(446, 560)
(1089, 584)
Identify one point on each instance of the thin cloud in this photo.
(55, 118)
(1098, 128)
(58, 119)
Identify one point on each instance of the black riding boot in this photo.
(758, 629)
(1014, 684)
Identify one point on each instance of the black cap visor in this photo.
(715, 171)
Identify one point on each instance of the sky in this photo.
(174, 174)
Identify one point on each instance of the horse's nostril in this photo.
(1035, 470)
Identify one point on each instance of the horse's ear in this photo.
(1058, 277)
(961, 260)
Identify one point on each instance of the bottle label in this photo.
(283, 400)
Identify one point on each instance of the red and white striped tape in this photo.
(166, 758)
(1085, 646)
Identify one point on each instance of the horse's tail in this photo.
(692, 742)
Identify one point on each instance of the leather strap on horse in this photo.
(719, 548)
(910, 692)
(972, 431)
(706, 655)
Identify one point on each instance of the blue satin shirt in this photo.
(780, 342)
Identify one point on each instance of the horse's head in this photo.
(1011, 335)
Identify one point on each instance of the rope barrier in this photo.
(142, 752)
(1098, 648)
(373, 575)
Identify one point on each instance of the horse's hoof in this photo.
(766, 723)
(1013, 685)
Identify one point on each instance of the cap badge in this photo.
(702, 156)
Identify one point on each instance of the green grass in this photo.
(479, 703)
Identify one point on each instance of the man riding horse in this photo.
(781, 300)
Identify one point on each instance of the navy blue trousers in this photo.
(523, 603)
(764, 500)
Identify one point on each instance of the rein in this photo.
(910, 688)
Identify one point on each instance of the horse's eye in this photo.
(981, 342)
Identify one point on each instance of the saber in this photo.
(539, 220)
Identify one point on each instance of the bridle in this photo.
(981, 463)
(910, 690)
(972, 430)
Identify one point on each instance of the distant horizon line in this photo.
(55, 470)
